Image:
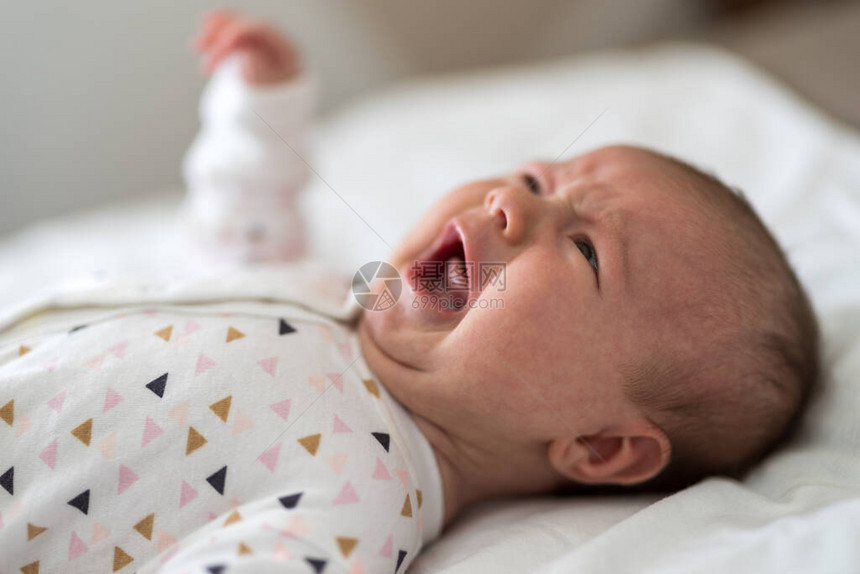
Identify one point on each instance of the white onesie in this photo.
(224, 424)
(205, 427)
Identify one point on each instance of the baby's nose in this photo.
(510, 205)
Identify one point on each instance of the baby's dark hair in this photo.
(724, 416)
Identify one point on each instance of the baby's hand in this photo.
(266, 56)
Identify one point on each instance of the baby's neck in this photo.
(472, 475)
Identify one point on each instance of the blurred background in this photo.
(99, 99)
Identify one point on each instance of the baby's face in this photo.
(596, 250)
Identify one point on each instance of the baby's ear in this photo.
(612, 456)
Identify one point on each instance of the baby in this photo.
(619, 319)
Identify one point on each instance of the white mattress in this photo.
(390, 156)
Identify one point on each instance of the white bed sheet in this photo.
(384, 160)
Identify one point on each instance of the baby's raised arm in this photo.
(246, 167)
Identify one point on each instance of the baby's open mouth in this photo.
(443, 271)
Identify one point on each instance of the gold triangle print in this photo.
(121, 559)
(233, 334)
(31, 568)
(7, 413)
(164, 333)
(222, 407)
(346, 545)
(244, 549)
(311, 443)
(371, 387)
(33, 531)
(83, 432)
(195, 441)
(234, 517)
(418, 495)
(23, 350)
(144, 527)
(407, 508)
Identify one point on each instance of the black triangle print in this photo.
(81, 501)
(401, 554)
(7, 480)
(76, 328)
(217, 479)
(290, 501)
(383, 439)
(285, 328)
(317, 564)
(157, 385)
(216, 569)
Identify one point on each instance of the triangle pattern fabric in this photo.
(311, 443)
(346, 545)
(7, 480)
(285, 328)
(83, 431)
(76, 546)
(157, 385)
(195, 440)
(164, 333)
(7, 412)
(33, 531)
(56, 403)
(144, 527)
(371, 387)
(49, 454)
(407, 508)
(121, 559)
(222, 408)
(290, 501)
(383, 439)
(317, 564)
(233, 334)
(401, 554)
(81, 502)
(217, 479)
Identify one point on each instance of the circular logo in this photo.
(377, 286)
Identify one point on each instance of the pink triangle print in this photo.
(180, 413)
(191, 326)
(404, 477)
(347, 495)
(269, 365)
(241, 423)
(269, 458)
(151, 431)
(112, 399)
(337, 380)
(336, 462)
(187, 495)
(96, 362)
(357, 567)
(127, 477)
(99, 533)
(165, 540)
(340, 426)
(345, 350)
(204, 363)
(119, 349)
(49, 454)
(282, 408)
(318, 383)
(381, 473)
(57, 402)
(76, 546)
(23, 423)
(385, 551)
(106, 445)
(296, 527)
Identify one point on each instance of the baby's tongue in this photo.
(457, 277)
